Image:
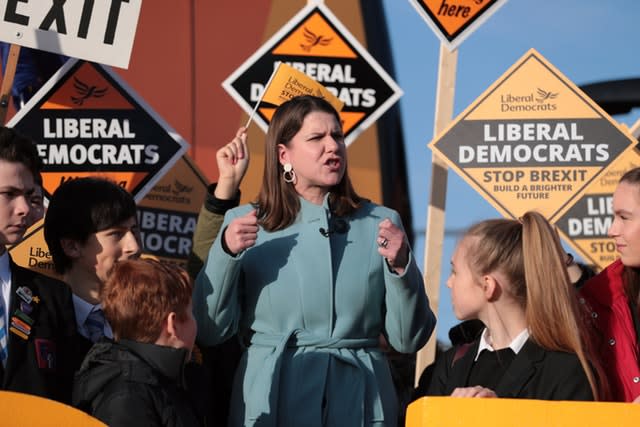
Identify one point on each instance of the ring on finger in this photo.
(383, 243)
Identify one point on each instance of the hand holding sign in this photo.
(286, 82)
(233, 161)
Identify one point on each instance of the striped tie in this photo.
(95, 324)
(3, 334)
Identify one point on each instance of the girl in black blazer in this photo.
(511, 275)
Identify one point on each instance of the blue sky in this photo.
(587, 40)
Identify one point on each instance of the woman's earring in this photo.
(288, 175)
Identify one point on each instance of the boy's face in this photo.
(16, 187)
(105, 248)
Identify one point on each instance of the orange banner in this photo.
(287, 82)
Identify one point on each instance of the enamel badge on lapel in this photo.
(46, 353)
(21, 322)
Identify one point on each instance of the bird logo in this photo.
(179, 187)
(544, 95)
(314, 40)
(85, 91)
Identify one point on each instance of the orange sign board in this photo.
(503, 412)
(586, 224)
(532, 141)
(21, 409)
(86, 121)
(454, 20)
(167, 215)
(316, 43)
(287, 82)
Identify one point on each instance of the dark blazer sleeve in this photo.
(440, 374)
(537, 373)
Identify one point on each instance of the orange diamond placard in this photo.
(454, 20)
(316, 43)
(85, 121)
(532, 141)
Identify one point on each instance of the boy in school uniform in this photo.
(36, 313)
(90, 226)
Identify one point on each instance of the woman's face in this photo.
(467, 296)
(625, 229)
(317, 154)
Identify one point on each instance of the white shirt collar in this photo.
(516, 344)
(5, 284)
(5, 269)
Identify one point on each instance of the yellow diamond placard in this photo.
(585, 225)
(532, 141)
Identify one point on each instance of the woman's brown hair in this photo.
(529, 253)
(278, 203)
(140, 294)
(631, 275)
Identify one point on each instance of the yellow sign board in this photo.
(586, 224)
(33, 253)
(20, 409)
(479, 412)
(532, 141)
(287, 83)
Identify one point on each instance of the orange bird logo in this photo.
(85, 91)
(314, 40)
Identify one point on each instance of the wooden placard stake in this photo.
(436, 210)
(7, 81)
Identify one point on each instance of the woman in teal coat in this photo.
(311, 275)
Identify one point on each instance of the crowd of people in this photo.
(288, 304)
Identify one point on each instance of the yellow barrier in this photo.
(24, 410)
(479, 412)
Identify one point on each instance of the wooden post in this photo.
(7, 81)
(435, 212)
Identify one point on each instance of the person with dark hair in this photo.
(138, 379)
(512, 275)
(612, 298)
(36, 312)
(90, 226)
(310, 275)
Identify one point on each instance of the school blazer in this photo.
(535, 373)
(42, 363)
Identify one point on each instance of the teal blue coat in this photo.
(313, 308)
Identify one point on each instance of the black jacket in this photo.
(132, 384)
(535, 373)
(39, 363)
